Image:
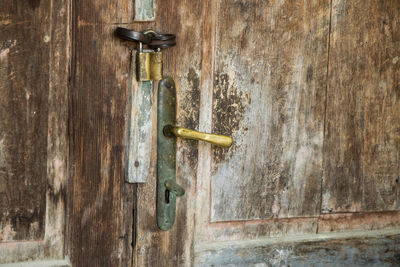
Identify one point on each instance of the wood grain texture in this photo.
(255, 229)
(270, 75)
(358, 221)
(362, 134)
(375, 248)
(100, 211)
(24, 93)
(37, 61)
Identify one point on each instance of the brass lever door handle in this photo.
(215, 139)
(167, 131)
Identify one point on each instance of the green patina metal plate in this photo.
(166, 155)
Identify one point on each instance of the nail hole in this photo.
(136, 164)
(397, 180)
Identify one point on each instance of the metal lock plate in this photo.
(149, 66)
(167, 132)
(166, 155)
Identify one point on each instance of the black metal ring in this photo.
(149, 37)
(133, 35)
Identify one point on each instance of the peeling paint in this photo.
(7, 231)
(145, 10)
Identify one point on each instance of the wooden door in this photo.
(309, 92)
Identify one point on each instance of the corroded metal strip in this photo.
(166, 153)
(145, 10)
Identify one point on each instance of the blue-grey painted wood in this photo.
(140, 125)
(337, 249)
(145, 10)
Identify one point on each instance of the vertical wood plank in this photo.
(24, 95)
(57, 145)
(270, 75)
(362, 133)
(100, 212)
(37, 59)
(140, 128)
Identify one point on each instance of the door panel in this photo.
(269, 90)
(257, 70)
(263, 78)
(34, 53)
(362, 144)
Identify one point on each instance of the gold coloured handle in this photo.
(216, 139)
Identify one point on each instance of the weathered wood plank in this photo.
(100, 213)
(36, 68)
(362, 134)
(57, 144)
(140, 128)
(373, 248)
(24, 94)
(250, 229)
(270, 75)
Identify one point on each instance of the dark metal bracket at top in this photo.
(149, 61)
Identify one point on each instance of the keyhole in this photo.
(167, 196)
